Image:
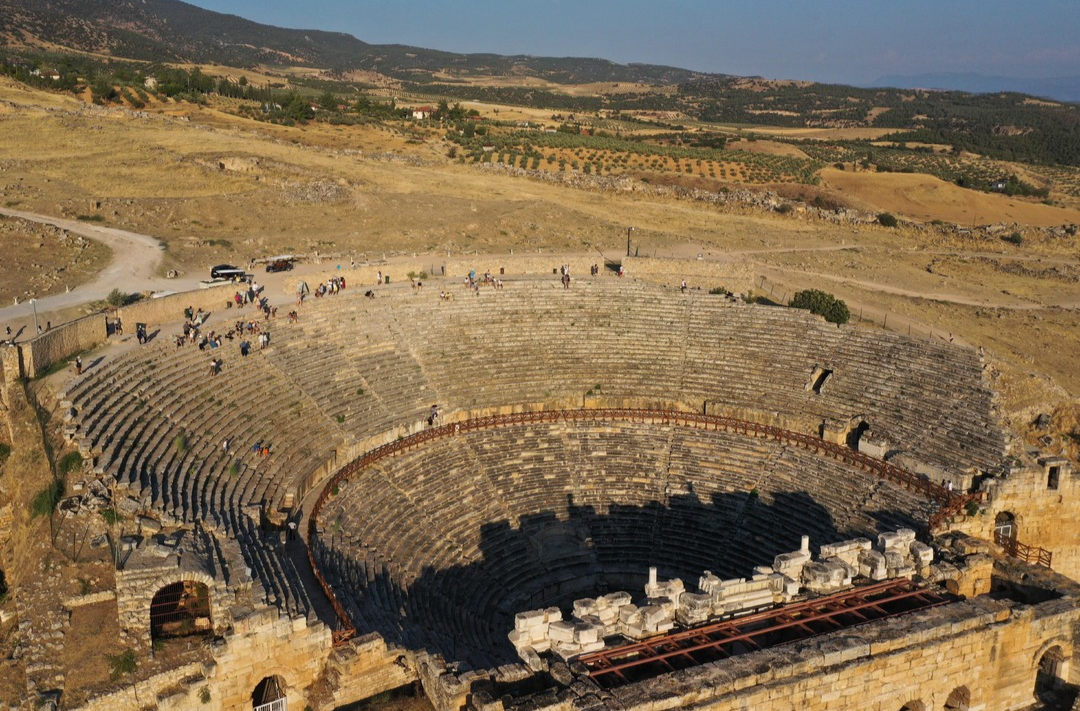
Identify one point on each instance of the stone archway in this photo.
(181, 609)
(913, 706)
(1052, 687)
(269, 694)
(959, 699)
(1005, 528)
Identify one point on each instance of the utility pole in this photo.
(628, 231)
(37, 328)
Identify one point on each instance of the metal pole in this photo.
(37, 328)
(628, 231)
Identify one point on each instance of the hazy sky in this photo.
(850, 41)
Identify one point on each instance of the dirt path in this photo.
(135, 261)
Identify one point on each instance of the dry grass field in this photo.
(217, 188)
(924, 197)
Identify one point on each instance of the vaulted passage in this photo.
(180, 609)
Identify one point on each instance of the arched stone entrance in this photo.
(1052, 687)
(180, 609)
(1005, 528)
(913, 706)
(959, 699)
(269, 695)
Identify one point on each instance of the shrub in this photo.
(720, 291)
(110, 516)
(887, 219)
(1014, 238)
(116, 298)
(5, 452)
(46, 500)
(823, 304)
(70, 462)
(121, 664)
(204, 695)
(181, 443)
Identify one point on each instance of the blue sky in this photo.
(845, 41)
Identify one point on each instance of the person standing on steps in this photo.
(78, 365)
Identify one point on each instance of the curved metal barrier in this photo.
(948, 503)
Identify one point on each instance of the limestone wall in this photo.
(135, 589)
(366, 667)
(146, 691)
(703, 273)
(262, 645)
(62, 341)
(1040, 513)
(171, 308)
(988, 649)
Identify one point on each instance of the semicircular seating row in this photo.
(438, 547)
(353, 369)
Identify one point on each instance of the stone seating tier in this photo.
(353, 370)
(493, 521)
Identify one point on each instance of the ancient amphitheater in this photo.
(632, 497)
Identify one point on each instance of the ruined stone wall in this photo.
(990, 649)
(135, 590)
(704, 274)
(265, 644)
(60, 342)
(994, 656)
(366, 667)
(156, 687)
(170, 308)
(1042, 514)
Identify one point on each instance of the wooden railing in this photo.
(1024, 552)
(948, 503)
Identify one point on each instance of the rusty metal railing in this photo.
(948, 503)
(1022, 551)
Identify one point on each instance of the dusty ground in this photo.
(215, 188)
(924, 197)
(772, 148)
(42, 259)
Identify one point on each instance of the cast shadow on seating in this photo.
(464, 612)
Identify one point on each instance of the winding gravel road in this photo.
(135, 261)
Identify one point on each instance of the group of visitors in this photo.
(330, 286)
(473, 282)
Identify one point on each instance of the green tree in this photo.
(328, 101)
(116, 298)
(124, 664)
(822, 304)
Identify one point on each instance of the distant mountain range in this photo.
(1058, 88)
(174, 31)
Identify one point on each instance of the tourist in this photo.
(225, 445)
(78, 365)
(378, 279)
(292, 531)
